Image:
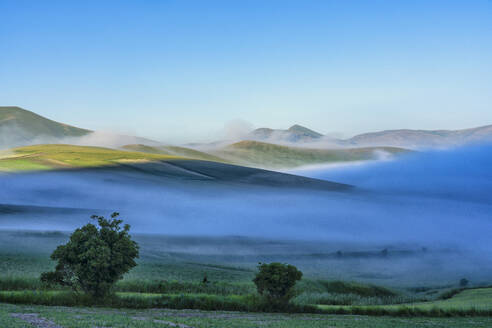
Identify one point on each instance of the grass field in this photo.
(166, 289)
(170, 272)
(16, 316)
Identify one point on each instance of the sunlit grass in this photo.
(41, 157)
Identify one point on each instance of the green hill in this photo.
(277, 156)
(175, 151)
(44, 157)
(28, 125)
(157, 167)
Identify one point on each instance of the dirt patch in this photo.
(172, 324)
(169, 323)
(35, 320)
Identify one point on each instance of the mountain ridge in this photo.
(21, 127)
(404, 138)
(423, 138)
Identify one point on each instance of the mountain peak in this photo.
(293, 134)
(299, 129)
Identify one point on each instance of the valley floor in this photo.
(16, 316)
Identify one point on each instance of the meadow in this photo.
(171, 270)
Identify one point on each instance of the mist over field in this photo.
(437, 200)
(429, 198)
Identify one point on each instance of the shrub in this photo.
(95, 257)
(276, 280)
(343, 287)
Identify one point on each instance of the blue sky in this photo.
(180, 70)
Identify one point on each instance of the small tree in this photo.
(464, 282)
(95, 257)
(276, 280)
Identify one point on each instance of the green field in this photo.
(170, 272)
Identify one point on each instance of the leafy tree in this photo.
(464, 282)
(276, 280)
(95, 257)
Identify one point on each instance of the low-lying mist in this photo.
(437, 200)
(433, 196)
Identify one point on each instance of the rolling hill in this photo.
(56, 156)
(174, 151)
(146, 166)
(264, 154)
(267, 148)
(270, 156)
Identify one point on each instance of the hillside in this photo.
(271, 155)
(19, 126)
(109, 165)
(54, 156)
(174, 151)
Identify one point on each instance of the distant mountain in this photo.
(422, 138)
(404, 138)
(295, 133)
(21, 127)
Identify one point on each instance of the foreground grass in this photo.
(474, 302)
(106, 317)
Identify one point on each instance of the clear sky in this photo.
(180, 70)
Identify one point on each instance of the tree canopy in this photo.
(276, 280)
(95, 257)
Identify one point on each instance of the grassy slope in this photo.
(67, 156)
(175, 151)
(37, 125)
(272, 155)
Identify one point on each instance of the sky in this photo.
(180, 71)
